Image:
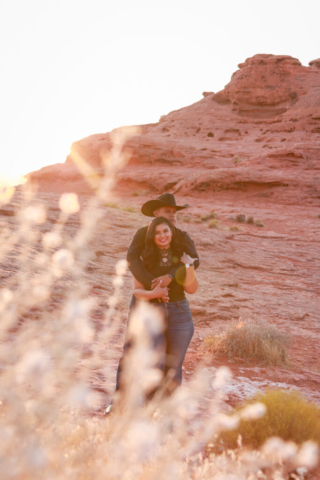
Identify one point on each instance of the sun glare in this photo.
(8, 179)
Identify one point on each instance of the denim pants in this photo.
(172, 343)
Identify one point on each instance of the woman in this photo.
(161, 252)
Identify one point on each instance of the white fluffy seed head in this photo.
(33, 215)
(308, 455)
(63, 259)
(223, 375)
(121, 267)
(69, 204)
(253, 412)
(51, 240)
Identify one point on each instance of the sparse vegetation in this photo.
(129, 209)
(208, 216)
(237, 159)
(210, 343)
(288, 416)
(111, 205)
(241, 218)
(259, 223)
(250, 220)
(186, 219)
(254, 340)
(213, 224)
(234, 228)
(139, 193)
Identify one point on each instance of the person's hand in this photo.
(165, 281)
(187, 259)
(162, 293)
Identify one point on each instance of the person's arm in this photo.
(178, 272)
(190, 249)
(190, 282)
(136, 265)
(141, 293)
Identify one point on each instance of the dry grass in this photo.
(129, 209)
(288, 416)
(255, 341)
(259, 223)
(208, 216)
(241, 218)
(213, 224)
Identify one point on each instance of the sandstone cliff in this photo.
(260, 135)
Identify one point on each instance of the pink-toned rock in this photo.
(257, 138)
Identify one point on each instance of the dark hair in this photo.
(151, 254)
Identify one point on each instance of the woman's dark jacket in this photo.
(136, 265)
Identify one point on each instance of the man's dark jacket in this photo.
(135, 250)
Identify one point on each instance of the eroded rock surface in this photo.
(260, 136)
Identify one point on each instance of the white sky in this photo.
(71, 68)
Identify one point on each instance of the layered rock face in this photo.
(260, 135)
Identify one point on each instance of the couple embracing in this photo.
(163, 259)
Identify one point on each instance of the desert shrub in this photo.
(111, 205)
(213, 224)
(129, 209)
(241, 218)
(234, 228)
(250, 220)
(288, 416)
(186, 219)
(237, 159)
(254, 340)
(210, 343)
(208, 216)
(259, 223)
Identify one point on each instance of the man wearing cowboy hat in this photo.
(164, 206)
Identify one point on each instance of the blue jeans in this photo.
(172, 344)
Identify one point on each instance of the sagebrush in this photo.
(253, 340)
(288, 416)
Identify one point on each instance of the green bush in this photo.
(288, 416)
(254, 340)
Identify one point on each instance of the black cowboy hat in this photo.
(165, 200)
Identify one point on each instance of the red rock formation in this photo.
(260, 135)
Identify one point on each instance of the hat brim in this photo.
(149, 207)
